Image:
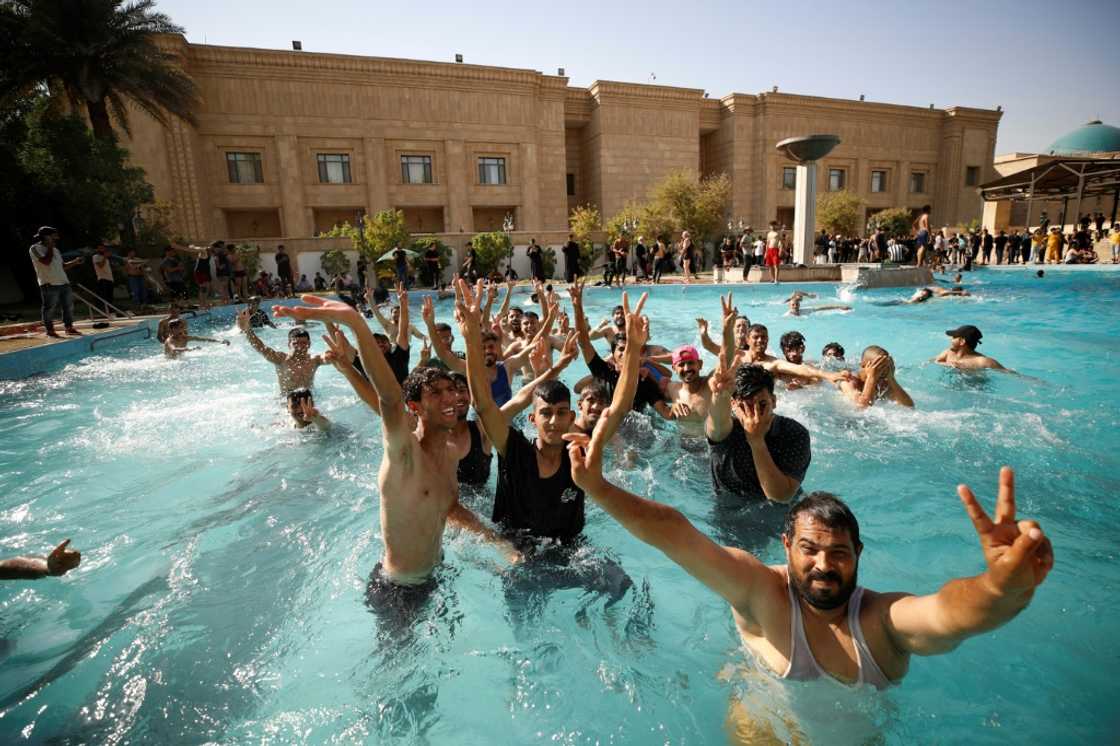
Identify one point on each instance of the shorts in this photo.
(397, 606)
(923, 238)
(202, 278)
(773, 257)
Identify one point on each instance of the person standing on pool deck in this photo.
(809, 619)
(284, 270)
(921, 230)
(54, 285)
(773, 251)
(295, 369)
(417, 484)
(962, 352)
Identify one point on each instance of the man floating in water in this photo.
(795, 308)
(177, 339)
(809, 619)
(59, 562)
(962, 352)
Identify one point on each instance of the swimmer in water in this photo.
(301, 406)
(177, 338)
(294, 370)
(257, 316)
(833, 351)
(417, 478)
(795, 309)
(962, 352)
(875, 380)
(841, 630)
(741, 330)
(794, 370)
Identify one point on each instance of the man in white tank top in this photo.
(809, 619)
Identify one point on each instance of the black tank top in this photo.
(474, 468)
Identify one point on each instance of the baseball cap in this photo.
(684, 354)
(968, 333)
(46, 230)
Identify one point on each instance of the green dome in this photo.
(1094, 137)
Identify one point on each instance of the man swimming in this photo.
(794, 371)
(795, 308)
(301, 406)
(175, 343)
(294, 369)
(809, 619)
(962, 352)
(875, 380)
(417, 478)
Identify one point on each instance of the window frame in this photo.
(921, 176)
(885, 181)
(233, 170)
(426, 163)
(484, 165)
(792, 185)
(843, 172)
(971, 176)
(323, 161)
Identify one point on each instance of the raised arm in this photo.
(342, 355)
(737, 576)
(1018, 557)
(469, 316)
(403, 327)
(59, 562)
(453, 362)
(637, 332)
(717, 426)
(575, 291)
(396, 429)
(524, 396)
(246, 325)
(705, 340)
(491, 295)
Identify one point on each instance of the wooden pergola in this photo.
(1058, 180)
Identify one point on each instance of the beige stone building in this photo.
(289, 143)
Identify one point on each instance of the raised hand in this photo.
(425, 351)
(308, 410)
(320, 309)
(539, 356)
(62, 560)
(702, 325)
(402, 294)
(575, 291)
(568, 352)
(723, 377)
(1018, 554)
(757, 416)
(428, 311)
(244, 322)
(637, 326)
(467, 307)
(339, 350)
(728, 312)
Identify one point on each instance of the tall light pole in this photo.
(805, 152)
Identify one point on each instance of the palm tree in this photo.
(99, 54)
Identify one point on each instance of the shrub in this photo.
(491, 249)
(250, 258)
(895, 221)
(840, 212)
(335, 262)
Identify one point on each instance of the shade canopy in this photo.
(1068, 177)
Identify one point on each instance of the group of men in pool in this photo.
(805, 619)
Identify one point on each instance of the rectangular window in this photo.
(971, 175)
(244, 168)
(491, 170)
(836, 179)
(416, 169)
(334, 168)
(789, 177)
(917, 182)
(571, 185)
(878, 181)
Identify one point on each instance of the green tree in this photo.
(99, 56)
(491, 249)
(680, 202)
(895, 221)
(335, 262)
(583, 223)
(840, 212)
(377, 235)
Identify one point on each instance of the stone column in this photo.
(902, 189)
(458, 183)
(804, 211)
(290, 185)
(377, 193)
(529, 215)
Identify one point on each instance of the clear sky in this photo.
(1052, 65)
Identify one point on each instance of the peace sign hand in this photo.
(637, 326)
(728, 312)
(339, 350)
(62, 560)
(586, 455)
(1018, 554)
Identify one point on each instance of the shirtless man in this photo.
(921, 231)
(175, 343)
(689, 398)
(921, 295)
(874, 380)
(301, 406)
(962, 352)
(742, 332)
(295, 369)
(794, 370)
(808, 619)
(795, 309)
(417, 477)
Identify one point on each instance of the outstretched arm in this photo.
(387, 325)
(737, 576)
(705, 340)
(465, 519)
(403, 327)
(243, 322)
(637, 333)
(453, 362)
(524, 396)
(59, 562)
(1018, 555)
(582, 335)
(469, 316)
(342, 355)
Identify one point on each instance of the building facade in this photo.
(289, 143)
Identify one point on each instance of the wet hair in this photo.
(458, 379)
(443, 327)
(596, 390)
(517, 311)
(534, 314)
(790, 340)
(295, 395)
(298, 331)
(759, 328)
(835, 347)
(488, 336)
(174, 325)
(619, 337)
(741, 317)
(872, 350)
(616, 309)
(1040, 273)
(750, 379)
(824, 508)
(381, 337)
(420, 379)
(552, 392)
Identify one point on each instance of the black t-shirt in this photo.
(648, 391)
(398, 361)
(571, 251)
(283, 265)
(542, 508)
(733, 465)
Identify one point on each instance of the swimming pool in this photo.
(225, 557)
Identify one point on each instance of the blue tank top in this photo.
(499, 387)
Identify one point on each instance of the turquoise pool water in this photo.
(225, 557)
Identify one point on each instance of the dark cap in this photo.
(968, 333)
(46, 230)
